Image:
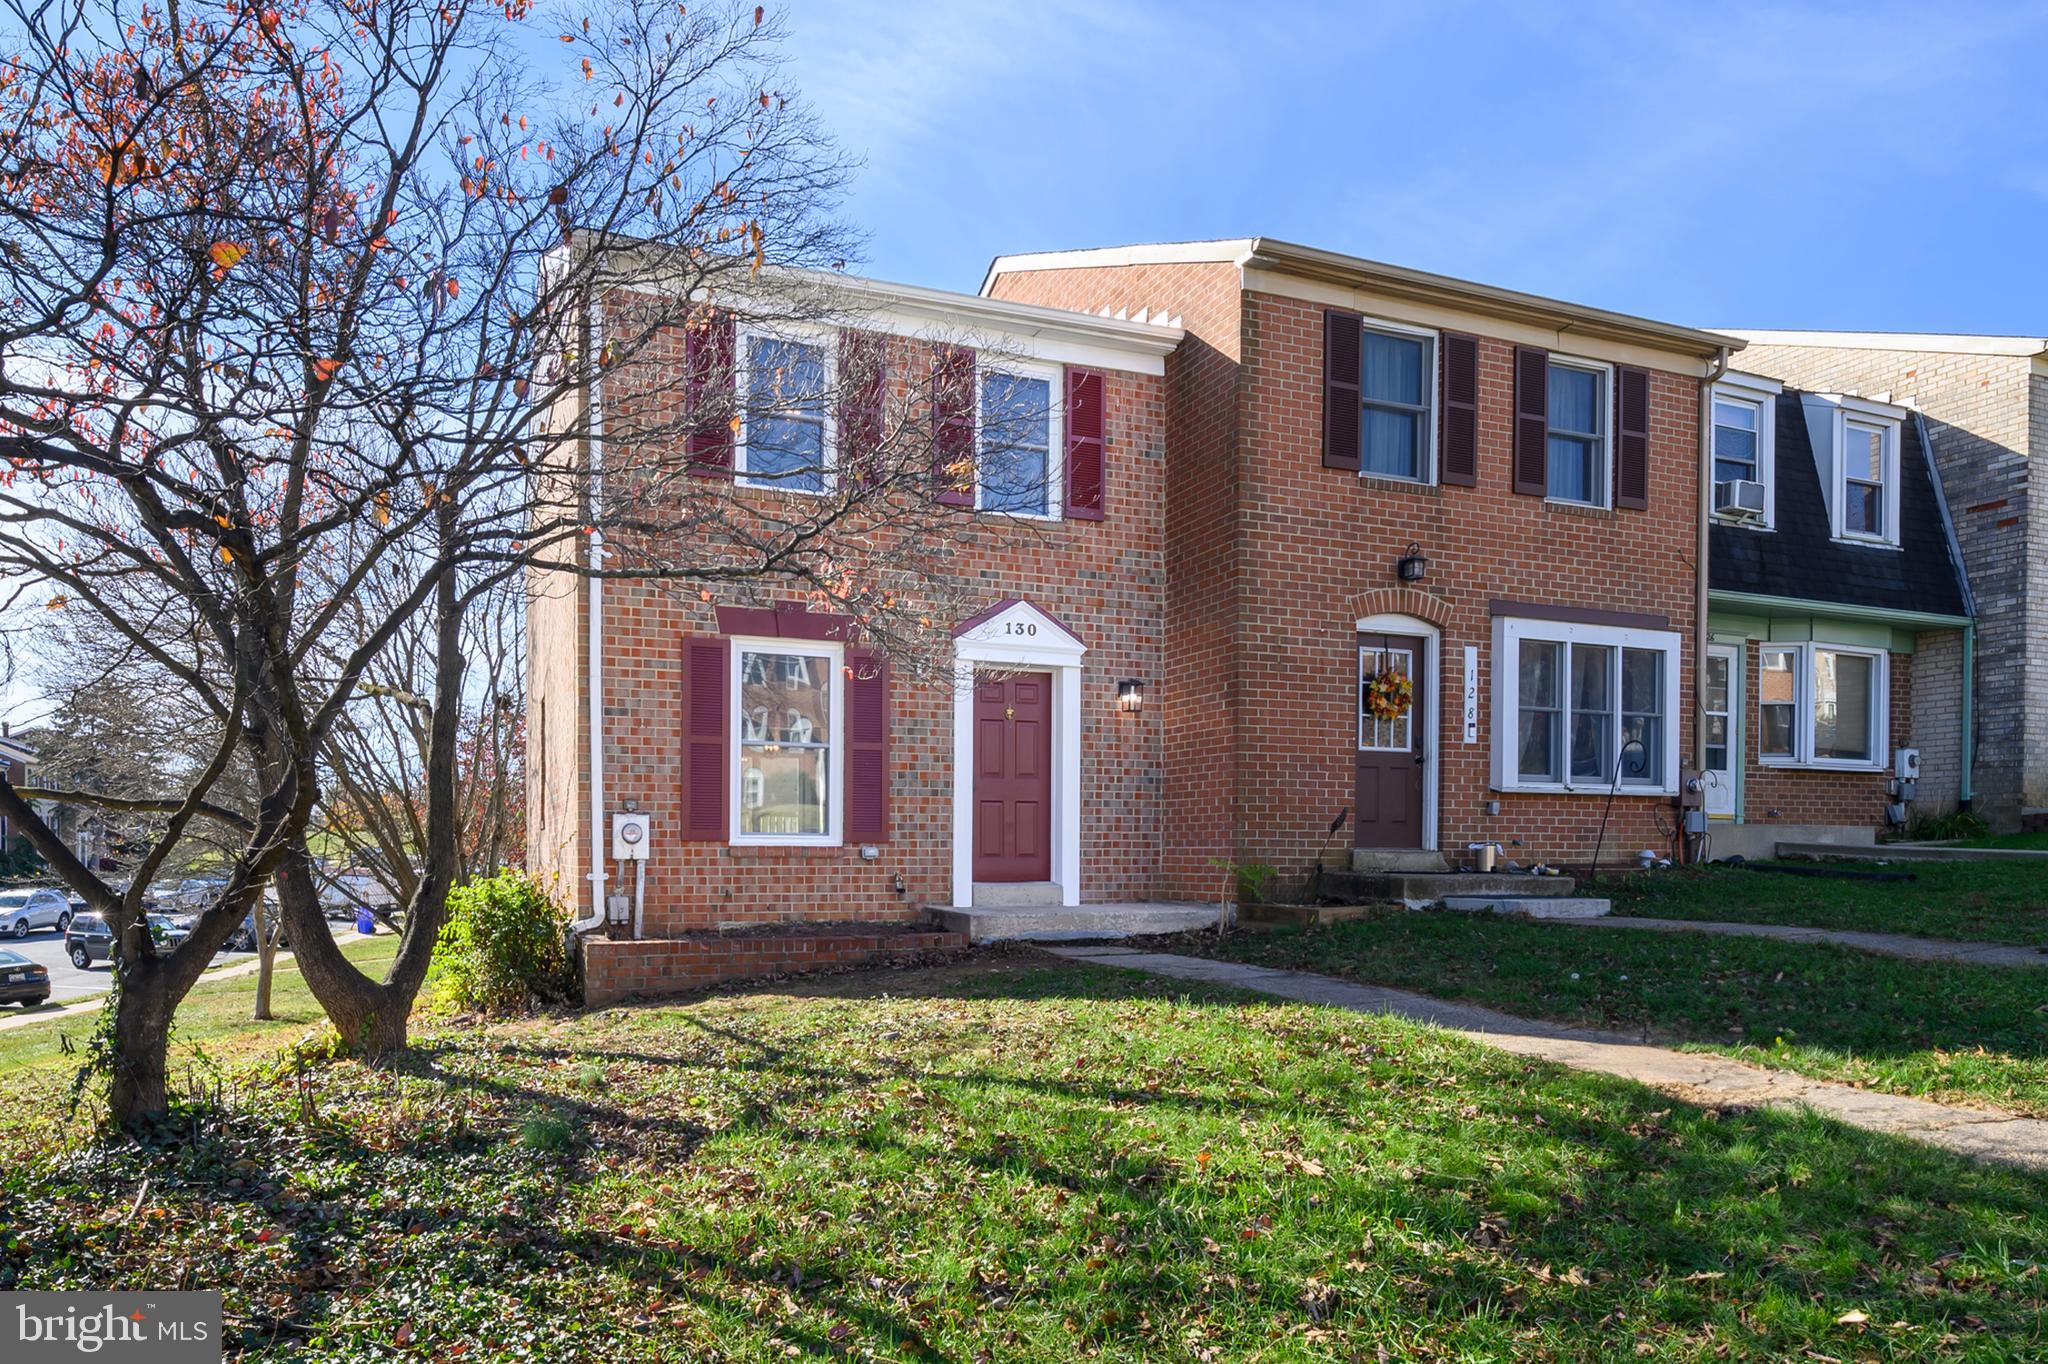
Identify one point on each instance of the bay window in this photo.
(786, 742)
(1822, 705)
(1585, 704)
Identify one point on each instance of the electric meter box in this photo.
(630, 834)
(1906, 764)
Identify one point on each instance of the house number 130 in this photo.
(1019, 627)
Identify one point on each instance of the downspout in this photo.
(1699, 603)
(595, 917)
(1966, 781)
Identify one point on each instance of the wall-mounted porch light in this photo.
(1413, 566)
(1130, 696)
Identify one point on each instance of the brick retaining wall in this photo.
(613, 971)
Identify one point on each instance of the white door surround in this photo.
(1016, 635)
(1433, 718)
(1724, 784)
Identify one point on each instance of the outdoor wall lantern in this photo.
(1413, 566)
(1130, 696)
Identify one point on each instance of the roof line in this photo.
(1335, 267)
(1959, 343)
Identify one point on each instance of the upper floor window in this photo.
(1745, 440)
(1578, 433)
(785, 424)
(1017, 443)
(1865, 466)
(1396, 389)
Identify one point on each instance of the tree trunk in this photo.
(138, 1088)
(368, 1015)
(266, 959)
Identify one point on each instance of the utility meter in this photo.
(630, 836)
(1906, 764)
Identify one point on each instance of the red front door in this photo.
(1013, 777)
(1391, 741)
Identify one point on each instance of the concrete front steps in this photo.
(1531, 906)
(1421, 889)
(986, 923)
(1908, 852)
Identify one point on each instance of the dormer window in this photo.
(1863, 486)
(1866, 465)
(1745, 441)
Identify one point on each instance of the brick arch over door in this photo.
(1402, 601)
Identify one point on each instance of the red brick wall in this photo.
(613, 971)
(1201, 734)
(1105, 580)
(1307, 551)
(1799, 795)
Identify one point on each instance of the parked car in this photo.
(243, 939)
(195, 893)
(22, 911)
(167, 930)
(87, 940)
(22, 981)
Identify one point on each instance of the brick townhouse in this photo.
(1982, 402)
(1377, 475)
(1836, 696)
(787, 773)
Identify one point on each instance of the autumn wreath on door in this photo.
(1388, 694)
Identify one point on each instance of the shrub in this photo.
(502, 949)
(1955, 824)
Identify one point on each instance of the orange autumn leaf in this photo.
(225, 254)
(324, 368)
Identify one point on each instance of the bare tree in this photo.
(307, 309)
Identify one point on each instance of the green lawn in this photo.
(1010, 1161)
(214, 1018)
(2034, 842)
(1974, 901)
(1959, 1034)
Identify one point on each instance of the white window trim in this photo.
(835, 762)
(1055, 432)
(828, 349)
(1888, 428)
(1428, 456)
(1508, 634)
(1803, 705)
(1763, 394)
(1603, 476)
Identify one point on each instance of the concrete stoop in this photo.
(1397, 860)
(1072, 923)
(1531, 906)
(1419, 890)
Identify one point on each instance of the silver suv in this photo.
(22, 911)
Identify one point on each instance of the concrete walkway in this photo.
(92, 1002)
(1883, 944)
(1712, 1080)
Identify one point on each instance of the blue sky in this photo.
(1871, 166)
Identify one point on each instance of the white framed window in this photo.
(1576, 706)
(1019, 440)
(787, 745)
(1862, 470)
(1397, 389)
(787, 428)
(1578, 439)
(1823, 705)
(1746, 444)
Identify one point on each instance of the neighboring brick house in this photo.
(1984, 400)
(17, 756)
(1839, 622)
(1332, 421)
(791, 775)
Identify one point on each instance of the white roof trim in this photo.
(1750, 383)
(1953, 343)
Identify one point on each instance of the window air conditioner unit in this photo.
(1741, 498)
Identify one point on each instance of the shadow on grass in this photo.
(1471, 1169)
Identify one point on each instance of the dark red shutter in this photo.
(953, 426)
(1632, 438)
(707, 662)
(863, 387)
(1085, 465)
(1343, 372)
(867, 747)
(707, 359)
(1460, 456)
(1532, 421)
